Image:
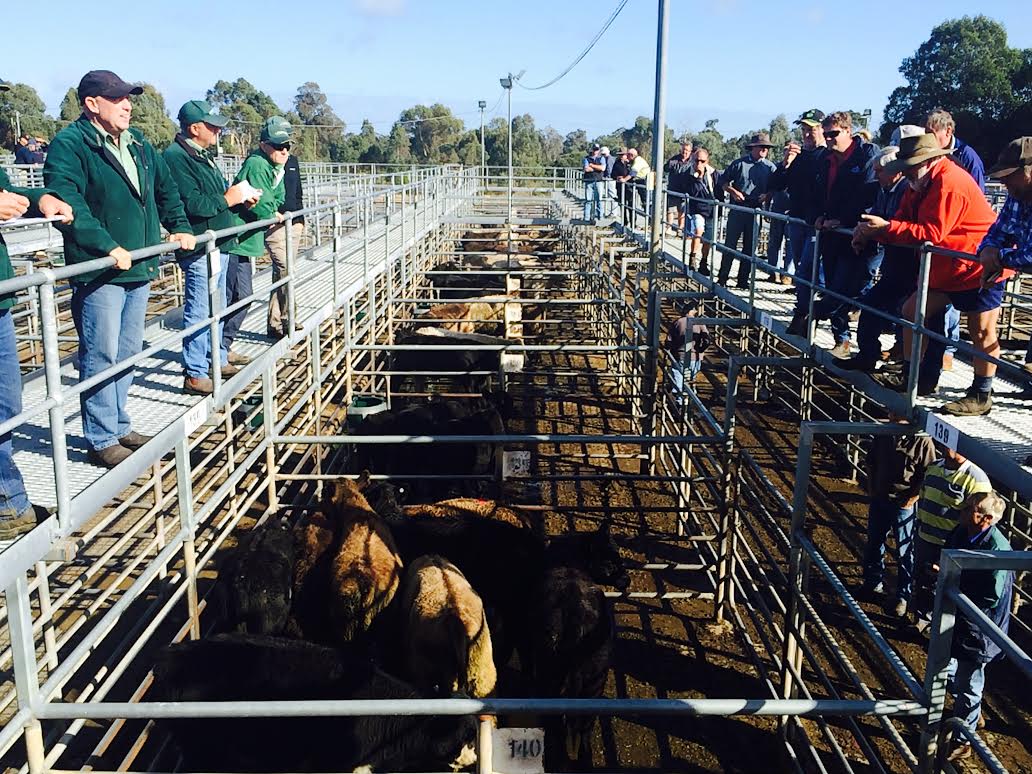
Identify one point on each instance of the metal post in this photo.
(483, 145)
(269, 409)
(216, 303)
(916, 340)
(184, 490)
(52, 368)
(655, 246)
(938, 660)
(792, 654)
(291, 248)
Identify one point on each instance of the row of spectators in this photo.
(113, 193)
(859, 214)
(30, 150)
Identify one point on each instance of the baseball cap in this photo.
(4, 85)
(1016, 154)
(596, 146)
(197, 111)
(276, 130)
(811, 117)
(104, 83)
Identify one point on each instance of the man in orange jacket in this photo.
(945, 207)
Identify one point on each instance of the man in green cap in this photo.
(17, 515)
(207, 199)
(122, 194)
(263, 169)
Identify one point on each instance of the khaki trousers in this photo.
(276, 244)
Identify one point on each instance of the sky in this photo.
(739, 61)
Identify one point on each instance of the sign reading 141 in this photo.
(942, 431)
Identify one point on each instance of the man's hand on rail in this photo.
(991, 266)
(873, 223)
(52, 207)
(279, 217)
(186, 241)
(123, 260)
(826, 224)
(12, 205)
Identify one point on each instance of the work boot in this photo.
(235, 359)
(973, 404)
(704, 267)
(959, 751)
(13, 526)
(110, 456)
(198, 385)
(134, 440)
(897, 381)
(230, 370)
(900, 608)
(841, 350)
(947, 361)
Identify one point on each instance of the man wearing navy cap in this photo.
(207, 199)
(122, 194)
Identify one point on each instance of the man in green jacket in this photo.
(263, 169)
(17, 515)
(122, 193)
(207, 199)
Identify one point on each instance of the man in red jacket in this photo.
(945, 207)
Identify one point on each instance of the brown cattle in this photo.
(468, 506)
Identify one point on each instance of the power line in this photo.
(583, 53)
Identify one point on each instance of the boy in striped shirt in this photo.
(948, 483)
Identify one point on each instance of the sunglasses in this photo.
(831, 134)
(280, 147)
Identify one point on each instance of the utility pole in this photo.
(655, 242)
(507, 84)
(483, 148)
(17, 125)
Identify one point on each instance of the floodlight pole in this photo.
(483, 147)
(655, 241)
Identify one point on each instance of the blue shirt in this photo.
(1011, 234)
(749, 177)
(966, 156)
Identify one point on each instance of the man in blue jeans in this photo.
(594, 183)
(895, 471)
(207, 198)
(122, 193)
(17, 515)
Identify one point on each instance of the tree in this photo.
(151, 117)
(70, 107)
(967, 67)
(226, 94)
(433, 133)
(21, 108)
(399, 146)
(312, 109)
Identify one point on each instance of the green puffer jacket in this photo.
(202, 189)
(109, 213)
(33, 195)
(259, 171)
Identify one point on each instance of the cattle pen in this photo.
(741, 645)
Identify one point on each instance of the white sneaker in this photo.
(841, 351)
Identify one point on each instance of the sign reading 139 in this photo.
(942, 431)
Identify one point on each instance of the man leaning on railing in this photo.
(17, 514)
(990, 591)
(945, 208)
(1008, 245)
(122, 193)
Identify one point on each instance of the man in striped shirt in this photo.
(948, 483)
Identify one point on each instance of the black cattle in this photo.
(572, 638)
(252, 669)
(256, 581)
(453, 461)
(422, 362)
(460, 282)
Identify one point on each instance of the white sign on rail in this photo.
(515, 463)
(195, 417)
(766, 321)
(942, 431)
(518, 750)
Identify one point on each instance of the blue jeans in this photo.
(775, 239)
(888, 295)
(678, 370)
(109, 320)
(238, 287)
(593, 193)
(609, 201)
(739, 227)
(885, 516)
(800, 249)
(952, 327)
(849, 275)
(13, 500)
(196, 303)
(967, 681)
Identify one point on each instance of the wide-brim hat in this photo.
(914, 151)
(760, 140)
(4, 85)
(1015, 155)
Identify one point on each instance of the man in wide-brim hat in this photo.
(745, 182)
(944, 206)
(760, 140)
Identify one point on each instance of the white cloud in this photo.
(381, 7)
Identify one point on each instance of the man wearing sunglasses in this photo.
(263, 169)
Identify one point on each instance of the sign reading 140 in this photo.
(942, 431)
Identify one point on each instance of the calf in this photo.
(447, 638)
(254, 669)
(256, 586)
(463, 360)
(365, 570)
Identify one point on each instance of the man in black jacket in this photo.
(621, 176)
(276, 244)
(678, 169)
(845, 180)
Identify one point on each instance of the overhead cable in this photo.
(584, 53)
